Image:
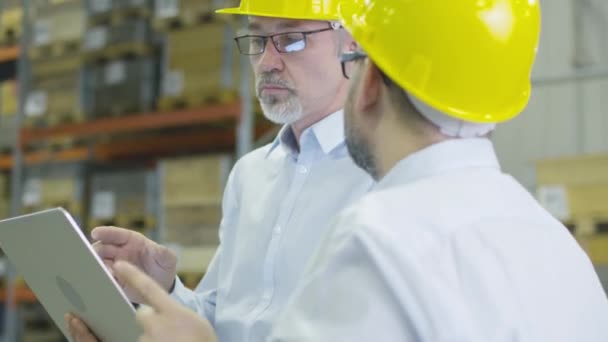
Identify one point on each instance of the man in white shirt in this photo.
(279, 199)
(446, 247)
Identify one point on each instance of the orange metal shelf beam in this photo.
(155, 145)
(37, 157)
(137, 123)
(22, 295)
(9, 53)
(165, 144)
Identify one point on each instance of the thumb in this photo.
(163, 256)
(143, 286)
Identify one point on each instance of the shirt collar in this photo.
(328, 132)
(444, 157)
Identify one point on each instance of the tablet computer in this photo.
(58, 263)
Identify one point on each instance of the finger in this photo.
(67, 318)
(112, 235)
(109, 265)
(164, 257)
(144, 286)
(106, 251)
(145, 317)
(96, 245)
(80, 331)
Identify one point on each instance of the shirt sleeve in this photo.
(360, 288)
(203, 300)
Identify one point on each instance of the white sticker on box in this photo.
(554, 198)
(42, 33)
(115, 72)
(3, 266)
(32, 192)
(36, 104)
(104, 205)
(96, 38)
(167, 8)
(100, 6)
(173, 83)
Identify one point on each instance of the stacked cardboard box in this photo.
(200, 67)
(192, 191)
(127, 198)
(575, 190)
(54, 185)
(123, 86)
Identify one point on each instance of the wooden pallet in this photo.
(138, 223)
(74, 207)
(57, 144)
(55, 49)
(9, 36)
(53, 120)
(119, 16)
(169, 103)
(66, 118)
(6, 150)
(183, 20)
(596, 246)
(35, 122)
(118, 110)
(58, 66)
(54, 144)
(586, 226)
(126, 50)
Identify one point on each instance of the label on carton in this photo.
(115, 72)
(36, 103)
(32, 192)
(554, 198)
(173, 83)
(42, 33)
(100, 6)
(167, 8)
(96, 38)
(103, 205)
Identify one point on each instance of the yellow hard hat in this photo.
(325, 10)
(470, 59)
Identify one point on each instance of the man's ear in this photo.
(351, 44)
(371, 86)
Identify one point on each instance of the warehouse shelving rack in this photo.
(238, 134)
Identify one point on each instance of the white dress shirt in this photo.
(448, 248)
(278, 205)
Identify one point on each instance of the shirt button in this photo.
(302, 169)
(266, 296)
(277, 230)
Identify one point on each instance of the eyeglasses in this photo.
(287, 42)
(350, 57)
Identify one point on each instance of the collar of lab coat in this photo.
(442, 158)
(329, 134)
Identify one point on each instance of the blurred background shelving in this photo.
(98, 94)
(124, 112)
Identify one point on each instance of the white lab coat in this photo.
(448, 248)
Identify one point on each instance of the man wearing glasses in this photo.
(279, 199)
(446, 247)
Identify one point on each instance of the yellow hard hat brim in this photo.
(321, 10)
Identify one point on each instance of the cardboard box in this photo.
(194, 181)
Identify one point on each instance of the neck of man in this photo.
(397, 140)
(309, 120)
(336, 103)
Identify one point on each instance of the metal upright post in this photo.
(11, 324)
(245, 130)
